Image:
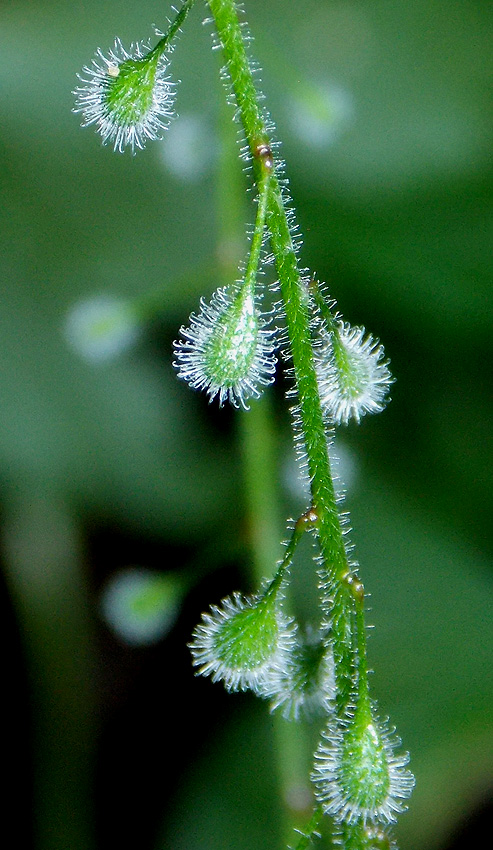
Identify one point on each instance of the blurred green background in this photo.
(385, 116)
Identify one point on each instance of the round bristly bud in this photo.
(101, 327)
(127, 95)
(141, 606)
(306, 685)
(244, 642)
(227, 350)
(353, 374)
(357, 775)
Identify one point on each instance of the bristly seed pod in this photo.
(306, 685)
(353, 375)
(127, 95)
(244, 642)
(227, 350)
(357, 775)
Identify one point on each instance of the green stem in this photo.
(249, 285)
(305, 522)
(258, 234)
(324, 307)
(363, 690)
(296, 298)
(311, 830)
(258, 445)
(173, 28)
(258, 442)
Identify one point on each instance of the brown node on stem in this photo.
(355, 586)
(262, 151)
(310, 517)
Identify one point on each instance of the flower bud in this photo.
(353, 375)
(227, 350)
(357, 776)
(244, 642)
(306, 684)
(127, 95)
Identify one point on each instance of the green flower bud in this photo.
(353, 374)
(244, 642)
(127, 95)
(357, 775)
(227, 350)
(306, 685)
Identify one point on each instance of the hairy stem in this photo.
(257, 437)
(309, 418)
(310, 831)
(173, 28)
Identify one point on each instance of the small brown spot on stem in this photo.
(309, 518)
(355, 585)
(263, 152)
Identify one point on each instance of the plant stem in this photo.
(253, 263)
(257, 438)
(338, 593)
(173, 28)
(311, 830)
